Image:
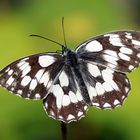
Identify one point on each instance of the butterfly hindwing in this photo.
(118, 50)
(65, 102)
(106, 87)
(32, 76)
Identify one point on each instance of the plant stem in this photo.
(64, 130)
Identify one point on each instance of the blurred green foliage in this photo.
(24, 119)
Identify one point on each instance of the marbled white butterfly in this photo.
(68, 82)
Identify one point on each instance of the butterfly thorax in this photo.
(70, 57)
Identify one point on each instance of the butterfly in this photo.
(69, 82)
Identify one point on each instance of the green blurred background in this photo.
(24, 119)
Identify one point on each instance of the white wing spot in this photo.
(28, 96)
(116, 102)
(66, 100)
(58, 93)
(111, 59)
(7, 69)
(99, 88)
(19, 91)
(92, 92)
(136, 42)
(26, 80)
(70, 117)
(123, 97)
(26, 64)
(107, 87)
(12, 89)
(39, 74)
(25, 59)
(110, 52)
(138, 55)
(46, 60)
(60, 117)
(45, 78)
(126, 89)
(33, 84)
(96, 104)
(94, 70)
(106, 105)
(73, 97)
(115, 40)
(124, 57)
(63, 78)
(126, 80)
(131, 67)
(80, 114)
(46, 104)
(114, 85)
(52, 113)
(37, 96)
(108, 76)
(49, 83)
(94, 46)
(10, 72)
(26, 71)
(126, 50)
(128, 35)
(21, 63)
(85, 107)
(111, 65)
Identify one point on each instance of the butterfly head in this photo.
(65, 51)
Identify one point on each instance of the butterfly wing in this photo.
(32, 76)
(118, 50)
(106, 87)
(103, 63)
(65, 102)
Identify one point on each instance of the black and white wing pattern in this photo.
(65, 102)
(31, 77)
(118, 50)
(106, 88)
(104, 61)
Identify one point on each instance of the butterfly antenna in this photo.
(64, 32)
(47, 39)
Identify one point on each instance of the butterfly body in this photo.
(71, 60)
(94, 74)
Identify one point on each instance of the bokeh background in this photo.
(24, 119)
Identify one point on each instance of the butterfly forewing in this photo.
(65, 101)
(117, 50)
(106, 87)
(32, 76)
